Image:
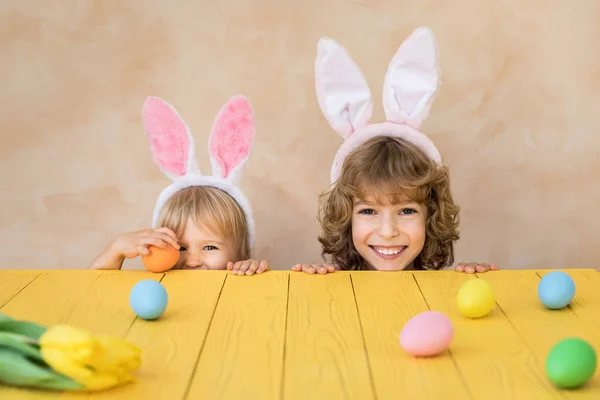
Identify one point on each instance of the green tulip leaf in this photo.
(17, 370)
(27, 328)
(21, 344)
(4, 317)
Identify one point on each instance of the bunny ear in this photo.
(170, 139)
(231, 138)
(342, 91)
(412, 79)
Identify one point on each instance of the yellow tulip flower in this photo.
(96, 362)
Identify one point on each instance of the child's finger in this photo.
(262, 267)
(330, 268)
(168, 239)
(167, 231)
(470, 268)
(482, 267)
(297, 268)
(494, 267)
(321, 269)
(143, 250)
(243, 267)
(229, 266)
(309, 269)
(252, 268)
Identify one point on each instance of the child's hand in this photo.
(312, 268)
(471, 268)
(248, 267)
(130, 245)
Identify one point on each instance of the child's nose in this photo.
(388, 229)
(193, 261)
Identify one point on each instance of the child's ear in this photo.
(231, 139)
(342, 91)
(170, 139)
(412, 79)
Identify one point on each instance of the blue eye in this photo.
(408, 211)
(367, 211)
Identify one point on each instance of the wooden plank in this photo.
(385, 303)
(325, 352)
(94, 300)
(586, 304)
(488, 351)
(542, 328)
(12, 282)
(243, 352)
(172, 343)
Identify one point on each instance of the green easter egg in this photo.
(571, 363)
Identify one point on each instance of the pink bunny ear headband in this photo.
(411, 82)
(172, 146)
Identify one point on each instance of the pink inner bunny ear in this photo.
(169, 137)
(342, 91)
(232, 135)
(412, 79)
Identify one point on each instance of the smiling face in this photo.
(390, 209)
(388, 236)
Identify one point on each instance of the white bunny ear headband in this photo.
(411, 82)
(172, 146)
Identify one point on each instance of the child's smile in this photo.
(388, 236)
(388, 252)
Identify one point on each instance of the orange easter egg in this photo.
(160, 260)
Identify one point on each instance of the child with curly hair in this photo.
(390, 206)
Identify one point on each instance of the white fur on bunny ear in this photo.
(412, 79)
(231, 139)
(342, 91)
(170, 139)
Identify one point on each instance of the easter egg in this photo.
(148, 299)
(159, 259)
(571, 363)
(475, 298)
(427, 334)
(556, 290)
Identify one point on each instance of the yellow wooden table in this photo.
(286, 335)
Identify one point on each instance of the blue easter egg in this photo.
(148, 299)
(556, 290)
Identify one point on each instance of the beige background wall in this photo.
(516, 119)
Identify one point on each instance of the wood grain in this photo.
(94, 300)
(488, 351)
(386, 302)
(539, 328)
(171, 344)
(325, 352)
(14, 281)
(286, 335)
(243, 353)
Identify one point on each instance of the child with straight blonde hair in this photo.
(390, 206)
(206, 217)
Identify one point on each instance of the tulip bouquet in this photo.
(62, 357)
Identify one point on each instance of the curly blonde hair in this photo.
(395, 169)
(211, 207)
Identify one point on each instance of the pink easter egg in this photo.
(427, 334)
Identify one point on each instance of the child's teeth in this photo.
(388, 252)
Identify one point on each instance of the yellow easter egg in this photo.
(475, 298)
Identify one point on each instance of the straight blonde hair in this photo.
(210, 207)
